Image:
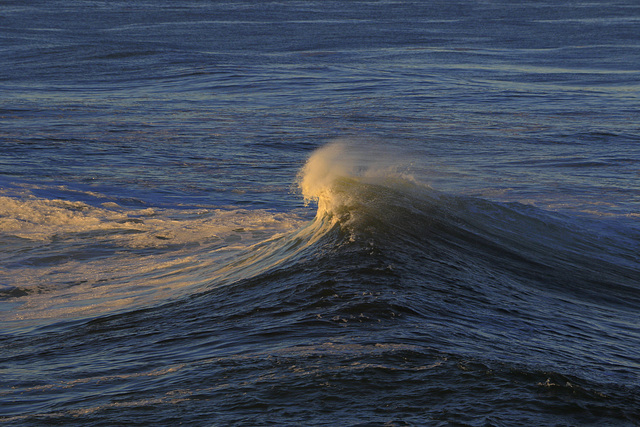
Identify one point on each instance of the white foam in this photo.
(78, 260)
(40, 219)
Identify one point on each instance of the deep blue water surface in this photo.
(319, 212)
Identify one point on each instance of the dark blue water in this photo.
(319, 213)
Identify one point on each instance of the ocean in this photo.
(322, 213)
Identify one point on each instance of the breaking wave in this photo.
(111, 258)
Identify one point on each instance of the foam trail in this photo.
(75, 259)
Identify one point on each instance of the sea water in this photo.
(319, 212)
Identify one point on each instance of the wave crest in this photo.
(346, 162)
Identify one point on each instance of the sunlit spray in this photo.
(344, 160)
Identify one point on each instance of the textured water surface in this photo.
(319, 213)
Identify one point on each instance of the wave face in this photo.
(415, 285)
(389, 211)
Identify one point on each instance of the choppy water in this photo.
(319, 213)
